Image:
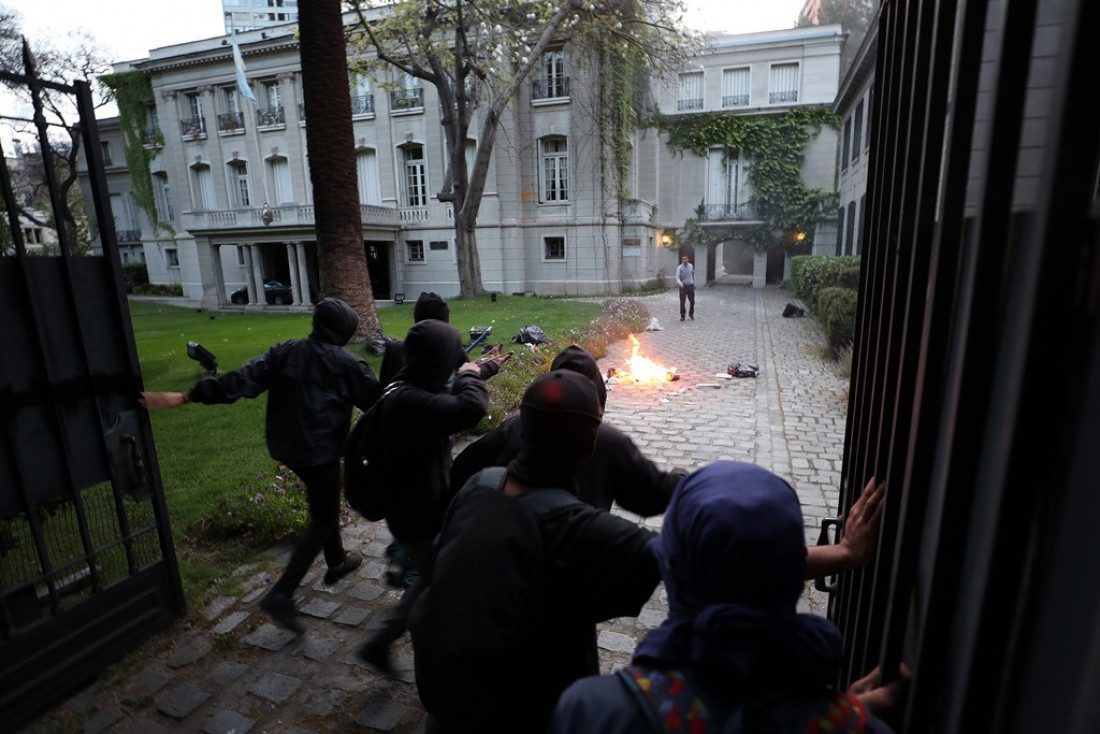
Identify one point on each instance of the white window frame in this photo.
(554, 169)
(240, 184)
(737, 87)
(162, 194)
(366, 171)
(690, 91)
(204, 198)
(414, 246)
(552, 76)
(414, 181)
(279, 167)
(784, 82)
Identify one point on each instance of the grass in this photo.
(208, 454)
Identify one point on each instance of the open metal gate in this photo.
(976, 379)
(87, 567)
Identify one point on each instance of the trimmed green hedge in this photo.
(837, 314)
(811, 273)
(158, 289)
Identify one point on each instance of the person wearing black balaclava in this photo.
(419, 415)
(312, 384)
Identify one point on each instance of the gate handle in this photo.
(823, 584)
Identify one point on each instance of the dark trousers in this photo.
(322, 533)
(687, 292)
(422, 554)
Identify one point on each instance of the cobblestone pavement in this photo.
(237, 672)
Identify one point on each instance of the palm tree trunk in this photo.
(331, 143)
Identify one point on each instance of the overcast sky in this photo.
(127, 29)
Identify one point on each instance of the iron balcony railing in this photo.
(736, 100)
(690, 104)
(231, 122)
(271, 117)
(778, 97)
(362, 104)
(550, 88)
(128, 235)
(193, 127)
(727, 212)
(150, 137)
(406, 99)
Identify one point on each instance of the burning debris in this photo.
(640, 369)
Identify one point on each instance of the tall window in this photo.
(366, 169)
(272, 113)
(735, 87)
(783, 83)
(230, 98)
(238, 177)
(553, 248)
(162, 194)
(840, 232)
(555, 169)
(408, 95)
(194, 123)
(416, 176)
(280, 178)
(552, 82)
(204, 188)
(691, 91)
(857, 132)
(846, 147)
(728, 191)
(105, 148)
(362, 101)
(231, 120)
(849, 246)
(122, 211)
(172, 257)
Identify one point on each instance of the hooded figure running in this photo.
(313, 384)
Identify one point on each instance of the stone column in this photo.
(248, 284)
(759, 269)
(257, 277)
(295, 282)
(303, 273)
(219, 276)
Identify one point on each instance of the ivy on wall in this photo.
(133, 93)
(777, 144)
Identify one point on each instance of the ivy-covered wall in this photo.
(777, 144)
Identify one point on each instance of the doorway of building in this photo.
(378, 268)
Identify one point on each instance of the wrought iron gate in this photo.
(87, 567)
(976, 380)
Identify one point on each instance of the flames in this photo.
(641, 369)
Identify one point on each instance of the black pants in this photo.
(322, 533)
(688, 292)
(422, 554)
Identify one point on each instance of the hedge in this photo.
(837, 314)
(811, 273)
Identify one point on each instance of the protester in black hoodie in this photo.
(615, 472)
(312, 384)
(419, 417)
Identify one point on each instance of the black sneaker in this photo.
(351, 562)
(377, 655)
(281, 609)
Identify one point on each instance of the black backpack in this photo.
(367, 486)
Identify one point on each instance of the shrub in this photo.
(262, 514)
(837, 313)
(158, 289)
(134, 275)
(811, 273)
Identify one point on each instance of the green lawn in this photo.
(208, 453)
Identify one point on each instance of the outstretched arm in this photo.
(857, 545)
(162, 400)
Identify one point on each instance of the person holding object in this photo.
(312, 384)
(685, 278)
(732, 555)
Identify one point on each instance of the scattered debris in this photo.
(793, 310)
(654, 325)
(708, 386)
(723, 376)
(743, 370)
(531, 335)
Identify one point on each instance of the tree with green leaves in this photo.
(854, 16)
(478, 53)
(340, 252)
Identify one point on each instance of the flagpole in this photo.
(245, 91)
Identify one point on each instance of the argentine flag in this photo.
(238, 61)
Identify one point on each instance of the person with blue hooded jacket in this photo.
(312, 384)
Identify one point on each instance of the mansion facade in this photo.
(232, 187)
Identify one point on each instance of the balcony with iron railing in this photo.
(193, 128)
(690, 104)
(735, 100)
(286, 215)
(743, 212)
(410, 99)
(128, 236)
(151, 138)
(781, 97)
(271, 117)
(550, 88)
(231, 123)
(362, 105)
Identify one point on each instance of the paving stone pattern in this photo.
(235, 671)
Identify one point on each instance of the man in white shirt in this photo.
(685, 278)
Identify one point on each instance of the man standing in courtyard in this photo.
(685, 278)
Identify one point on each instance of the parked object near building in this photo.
(276, 293)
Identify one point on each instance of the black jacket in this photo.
(419, 419)
(312, 384)
(616, 472)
